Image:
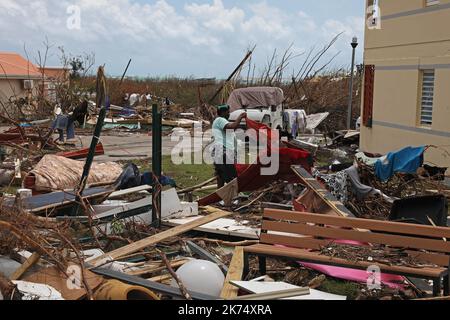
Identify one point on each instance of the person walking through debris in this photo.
(66, 122)
(224, 154)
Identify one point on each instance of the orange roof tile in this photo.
(14, 65)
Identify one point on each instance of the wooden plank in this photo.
(153, 240)
(306, 256)
(161, 278)
(33, 259)
(158, 268)
(323, 193)
(295, 242)
(316, 244)
(334, 233)
(374, 225)
(235, 272)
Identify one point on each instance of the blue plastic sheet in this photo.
(407, 160)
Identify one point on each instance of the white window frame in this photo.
(427, 93)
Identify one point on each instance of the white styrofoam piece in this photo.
(265, 287)
(37, 291)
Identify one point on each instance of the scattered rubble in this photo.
(82, 230)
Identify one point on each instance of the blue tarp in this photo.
(407, 160)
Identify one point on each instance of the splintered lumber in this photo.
(153, 240)
(153, 269)
(161, 278)
(323, 193)
(235, 272)
(25, 266)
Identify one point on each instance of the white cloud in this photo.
(307, 22)
(158, 31)
(215, 16)
(352, 26)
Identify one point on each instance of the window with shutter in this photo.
(431, 2)
(427, 99)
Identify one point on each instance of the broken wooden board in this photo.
(55, 278)
(148, 269)
(235, 271)
(260, 287)
(153, 240)
(331, 201)
(228, 227)
(33, 259)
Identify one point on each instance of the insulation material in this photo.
(59, 173)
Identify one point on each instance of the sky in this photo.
(198, 38)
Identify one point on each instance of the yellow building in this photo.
(406, 99)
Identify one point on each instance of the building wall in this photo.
(412, 38)
(10, 87)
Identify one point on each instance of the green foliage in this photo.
(345, 288)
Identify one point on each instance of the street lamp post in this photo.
(350, 99)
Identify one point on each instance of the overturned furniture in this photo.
(306, 237)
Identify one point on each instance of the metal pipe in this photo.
(354, 44)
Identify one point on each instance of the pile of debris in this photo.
(77, 229)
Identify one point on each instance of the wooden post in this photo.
(156, 163)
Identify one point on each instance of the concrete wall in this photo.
(412, 37)
(10, 87)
